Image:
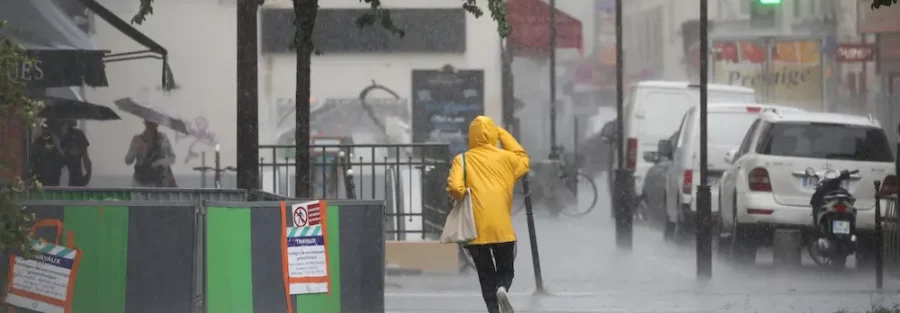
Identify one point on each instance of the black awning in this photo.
(63, 55)
(62, 68)
(154, 49)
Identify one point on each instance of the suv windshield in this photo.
(826, 141)
(727, 128)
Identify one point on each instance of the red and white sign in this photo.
(855, 53)
(307, 213)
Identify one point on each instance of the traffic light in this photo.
(764, 10)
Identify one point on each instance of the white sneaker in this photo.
(503, 298)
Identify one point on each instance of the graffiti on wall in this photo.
(199, 137)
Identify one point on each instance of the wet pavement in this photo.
(584, 272)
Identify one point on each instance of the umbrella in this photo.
(151, 115)
(67, 109)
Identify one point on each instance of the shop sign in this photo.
(855, 52)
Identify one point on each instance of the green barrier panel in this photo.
(325, 303)
(229, 267)
(137, 256)
(103, 232)
(354, 240)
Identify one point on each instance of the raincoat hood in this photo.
(483, 132)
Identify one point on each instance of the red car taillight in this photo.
(631, 156)
(840, 207)
(759, 180)
(687, 182)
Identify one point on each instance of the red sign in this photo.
(855, 53)
(307, 213)
(530, 22)
(315, 213)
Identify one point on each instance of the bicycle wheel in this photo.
(588, 189)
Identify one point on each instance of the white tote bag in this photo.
(460, 224)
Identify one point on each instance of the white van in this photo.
(652, 113)
(727, 124)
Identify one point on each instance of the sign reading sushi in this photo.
(45, 281)
(307, 256)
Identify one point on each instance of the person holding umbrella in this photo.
(152, 155)
(60, 145)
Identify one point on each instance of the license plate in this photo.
(712, 181)
(812, 182)
(840, 227)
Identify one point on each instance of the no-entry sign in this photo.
(307, 213)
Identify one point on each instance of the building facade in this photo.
(200, 36)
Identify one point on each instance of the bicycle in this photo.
(563, 190)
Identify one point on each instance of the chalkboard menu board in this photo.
(444, 102)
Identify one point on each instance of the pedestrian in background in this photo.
(152, 155)
(491, 174)
(74, 145)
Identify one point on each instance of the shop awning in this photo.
(530, 21)
(154, 50)
(64, 55)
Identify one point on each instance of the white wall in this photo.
(200, 37)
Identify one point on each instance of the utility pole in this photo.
(247, 96)
(704, 211)
(553, 153)
(623, 214)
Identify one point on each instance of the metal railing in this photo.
(890, 221)
(411, 178)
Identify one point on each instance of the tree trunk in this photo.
(304, 20)
(247, 96)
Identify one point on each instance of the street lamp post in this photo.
(704, 210)
(621, 204)
(553, 154)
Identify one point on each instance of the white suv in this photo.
(727, 125)
(766, 188)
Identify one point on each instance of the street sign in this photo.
(307, 213)
(855, 53)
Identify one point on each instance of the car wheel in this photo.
(744, 240)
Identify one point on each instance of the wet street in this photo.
(584, 272)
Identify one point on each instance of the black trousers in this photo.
(494, 263)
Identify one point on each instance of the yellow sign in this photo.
(794, 77)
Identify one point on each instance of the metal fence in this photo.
(410, 178)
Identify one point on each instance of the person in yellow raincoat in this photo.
(491, 175)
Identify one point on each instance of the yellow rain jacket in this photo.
(491, 174)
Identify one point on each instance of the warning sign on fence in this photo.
(45, 281)
(307, 213)
(305, 250)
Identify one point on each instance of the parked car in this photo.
(727, 123)
(766, 187)
(649, 110)
(653, 202)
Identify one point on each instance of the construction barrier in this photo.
(210, 256)
(135, 193)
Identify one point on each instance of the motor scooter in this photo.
(834, 218)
